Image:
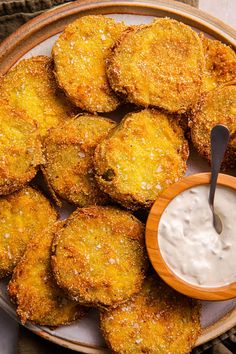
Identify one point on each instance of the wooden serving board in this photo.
(37, 37)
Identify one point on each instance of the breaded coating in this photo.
(34, 289)
(140, 158)
(220, 63)
(31, 86)
(159, 64)
(158, 320)
(22, 216)
(216, 107)
(79, 55)
(99, 256)
(20, 149)
(69, 150)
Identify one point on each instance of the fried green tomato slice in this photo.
(20, 149)
(69, 150)
(216, 107)
(34, 289)
(99, 256)
(22, 215)
(157, 321)
(220, 63)
(79, 55)
(31, 86)
(159, 64)
(140, 158)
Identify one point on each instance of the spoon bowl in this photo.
(199, 292)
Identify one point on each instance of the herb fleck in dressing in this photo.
(189, 243)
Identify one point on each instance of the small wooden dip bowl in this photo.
(159, 264)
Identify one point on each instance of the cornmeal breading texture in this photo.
(34, 289)
(20, 149)
(220, 63)
(140, 158)
(216, 107)
(79, 55)
(23, 215)
(68, 152)
(31, 86)
(99, 256)
(156, 321)
(159, 64)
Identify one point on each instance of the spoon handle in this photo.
(219, 142)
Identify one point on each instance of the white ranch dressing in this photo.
(189, 243)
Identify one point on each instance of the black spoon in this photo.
(219, 142)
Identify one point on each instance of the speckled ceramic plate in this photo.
(37, 37)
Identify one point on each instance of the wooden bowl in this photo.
(159, 264)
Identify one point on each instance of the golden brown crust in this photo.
(144, 154)
(220, 63)
(215, 107)
(20, 149)
(34, 290)
(31, 86)
(79, 56)
(159, 64)
(68, 151)
(99, 257)
(22, 214)
(157, 321)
